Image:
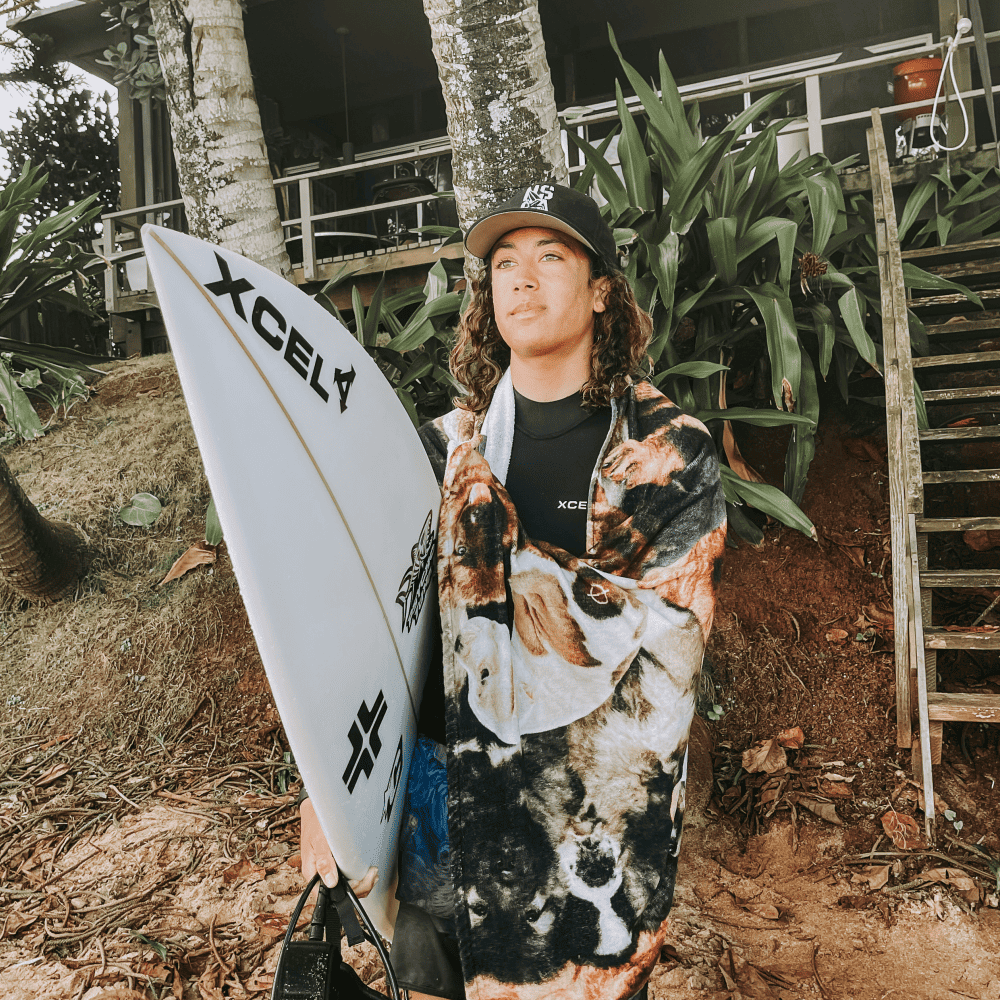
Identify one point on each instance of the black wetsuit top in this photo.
(556, 446)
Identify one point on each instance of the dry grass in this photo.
(123, 659)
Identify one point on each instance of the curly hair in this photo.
(622, 334)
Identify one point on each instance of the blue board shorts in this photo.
(424, 947)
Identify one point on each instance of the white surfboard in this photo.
(329, 509)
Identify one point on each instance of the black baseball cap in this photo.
(548, 206)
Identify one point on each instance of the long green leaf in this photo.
(919, 197)
(663, 261)
(633, 158)
(688, 192)
(586, 177)
(17, 408)
(667, 120)
(770, 500)
(759, 418)
(782, 343)
(692, 369)
(853, 305)
(742, 524)
(824, 194)
(607, 180)
(915, 277)
(802, 446)
(722, 243)
(825, 328)
(760, 233)
(374, 313)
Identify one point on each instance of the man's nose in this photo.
(527, 279)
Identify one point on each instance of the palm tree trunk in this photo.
(219, 148)
(42, 560)
(499, 99)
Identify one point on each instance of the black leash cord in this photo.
(373, 935)
(376, 940)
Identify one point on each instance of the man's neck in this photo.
(545, 379)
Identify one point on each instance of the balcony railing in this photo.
(317, 231)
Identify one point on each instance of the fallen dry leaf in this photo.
(874, 876)
(903, 830)
(825, 810)
(949, 876)
(197, 555)
(52, 774)
(982, 541)
(765, 755)
(836, 635)
(835, 789)
(767, 911)
(793, 738)
(880, 616)
(243, 869)
(271, 925)
(964, 422)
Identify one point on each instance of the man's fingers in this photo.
(366, 883)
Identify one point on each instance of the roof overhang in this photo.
(79, 32)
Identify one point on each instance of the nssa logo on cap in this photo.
(538, 196)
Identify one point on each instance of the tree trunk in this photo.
(40, 559)
(499, 99)
(219, 148)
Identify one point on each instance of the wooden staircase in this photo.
(958, 385)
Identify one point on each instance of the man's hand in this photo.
(317, 857)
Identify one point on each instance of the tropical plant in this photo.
(40, 264)
(956, 215)
(135, 62)
(746, 267)
(409, 335)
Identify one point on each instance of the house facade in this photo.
(355, 121)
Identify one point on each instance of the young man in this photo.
(581, 529)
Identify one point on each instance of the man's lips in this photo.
(525, 308)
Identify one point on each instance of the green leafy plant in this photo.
(954, 203)
(748, 268)
(213, 529)
(409, 335)
(40, 263)
(135, 62)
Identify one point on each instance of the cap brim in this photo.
(485, 233)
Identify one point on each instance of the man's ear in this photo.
(600, 288)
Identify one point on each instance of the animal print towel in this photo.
(570, 689)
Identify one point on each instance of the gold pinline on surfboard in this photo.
(305, 447)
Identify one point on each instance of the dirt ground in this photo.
(148, 833)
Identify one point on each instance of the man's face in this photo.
(543, 298)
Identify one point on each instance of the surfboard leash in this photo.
(313, 969)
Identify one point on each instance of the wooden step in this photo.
(936, 638)
(963, 476)
(960, 578)
(964, 326)
(967, 392)
(959, 433)
(932, 524)
(973, 250)
(943, 707)
(955, 299)
(956, 359)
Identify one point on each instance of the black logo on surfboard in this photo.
(417, 579)
(366, 744)
(273, 329)
(392, 788)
